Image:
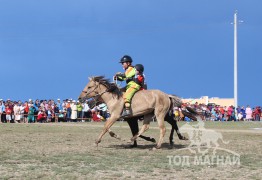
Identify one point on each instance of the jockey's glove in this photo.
(120, 76)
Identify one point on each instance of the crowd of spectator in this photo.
(70, 110)
(214, 112)
(50, 111)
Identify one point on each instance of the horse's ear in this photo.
(89, 78)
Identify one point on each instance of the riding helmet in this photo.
(139, 67)
(126, 58)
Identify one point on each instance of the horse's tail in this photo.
(189, 115)
(192, 110)
(175, 101)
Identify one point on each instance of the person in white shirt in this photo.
(240, 116)
(17, 112)
(2, 107)
(102, 108)
(74, 110)
(86, 110)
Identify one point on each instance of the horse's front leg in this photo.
(145, 127)
(108, 124)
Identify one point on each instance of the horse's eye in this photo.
(88, 87)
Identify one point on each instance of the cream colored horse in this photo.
(143, 103)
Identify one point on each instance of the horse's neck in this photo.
(108, 97)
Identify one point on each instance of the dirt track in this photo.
(67, 151)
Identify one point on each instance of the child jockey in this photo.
(139, 77)
(132, 85)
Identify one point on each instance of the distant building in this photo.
(206, 100)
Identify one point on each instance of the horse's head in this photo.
(90, 90)
(96, 87)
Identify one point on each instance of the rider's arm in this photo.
(130, 72)
(120, 76)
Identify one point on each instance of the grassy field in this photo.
(67, 151)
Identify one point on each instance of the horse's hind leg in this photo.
(144, 128)
(160, 116)
(173, 123)
(180, 136)
(148, 138)
(169, 119)
(162, 134)
(133, 124)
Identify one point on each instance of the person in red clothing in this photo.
(94, 116)
(8, 112)
(257, 113)
(222, 111)
(229, 113)
(26, 110)
(41, 117)
(139, 77)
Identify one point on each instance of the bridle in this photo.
(96, 96)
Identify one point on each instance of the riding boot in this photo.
(126, 112)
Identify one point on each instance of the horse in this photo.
(143, 103)
(133, 124)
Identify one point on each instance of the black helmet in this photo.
(139, 67)
(126, 58)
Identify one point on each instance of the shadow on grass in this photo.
(147, 146)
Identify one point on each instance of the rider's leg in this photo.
(130, 91)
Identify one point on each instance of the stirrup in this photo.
(126, 113)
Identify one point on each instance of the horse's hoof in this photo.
(183, 138)
(112, 134)
(171, 145)
(97, 142)
(158, 147)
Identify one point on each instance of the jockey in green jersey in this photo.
(132, 87)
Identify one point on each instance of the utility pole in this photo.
(235, 59)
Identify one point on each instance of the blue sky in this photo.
(49, 48)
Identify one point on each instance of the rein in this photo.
(97, 94)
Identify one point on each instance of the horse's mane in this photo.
(111, 87)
